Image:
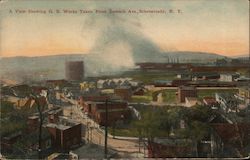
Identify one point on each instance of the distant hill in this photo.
(52, 67)
(242, 56)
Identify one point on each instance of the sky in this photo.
(215, 26)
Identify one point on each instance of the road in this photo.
(154, 89)
(96, 135)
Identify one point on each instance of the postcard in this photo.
(95, 79)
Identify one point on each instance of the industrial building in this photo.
(74, 70)
(186, 91)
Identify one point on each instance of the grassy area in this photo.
(211, 92)
(129, 132)
(169, 96)
(141, 99)
(146, 98)
(108, 91)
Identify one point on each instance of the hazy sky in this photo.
(218, 26)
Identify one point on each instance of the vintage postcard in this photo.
(134, 79)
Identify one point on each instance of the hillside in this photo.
(52, 67)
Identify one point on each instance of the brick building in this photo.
(186, 91)
(114, 115)
(86, 101)
(180, 82)
(33, 123)
(53, 115)
(170, 148)
(125, 93)
(116, 111)
(65, 134)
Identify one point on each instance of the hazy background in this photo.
(108, 43)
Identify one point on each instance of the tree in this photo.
(12, 119)
(196, 130)
(40, 102)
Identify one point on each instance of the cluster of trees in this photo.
(166, 122)
(12, 119)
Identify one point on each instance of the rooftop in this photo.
(187, 88)
(209, 100)
(33, 117)
(63, 124)
(58, 126)
(123, 87)
(113, 110)
(172, 141)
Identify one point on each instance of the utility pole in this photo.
(40, 108)
(106, 130)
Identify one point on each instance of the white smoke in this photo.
(118, 44)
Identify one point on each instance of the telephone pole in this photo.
(106, 130)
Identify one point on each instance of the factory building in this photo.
(186, 91)
(74, 70)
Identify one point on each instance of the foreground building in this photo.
(65, 134)
(171, 148)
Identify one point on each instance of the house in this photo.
(21, 90)
(117, 110)
(170, 148)
(191, 101)
(244, 94)
(87, 85)
(211, 102)
(20, 102)
(27, 102)
(65, 134)
(162, 83)
(183, 75)
(233, 137)
(186, 91)
(140, 91)
(205, 76)
(227, 77)
(100, 83)
(72, 91)
(111, 84)
(86, 101)
(227, 101)
(54, 83)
